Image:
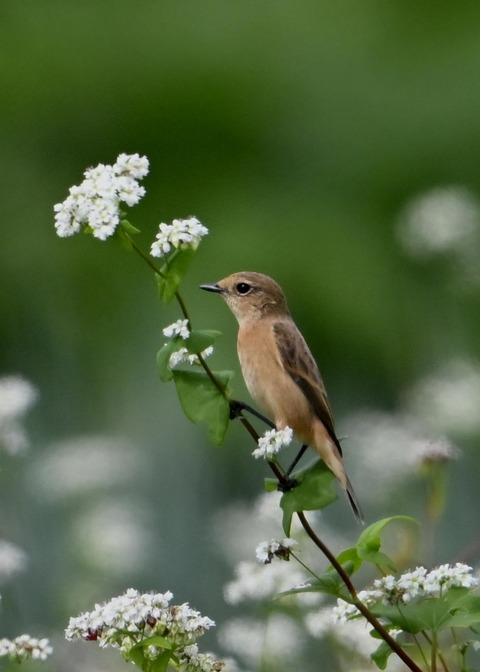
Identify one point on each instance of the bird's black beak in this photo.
(212, 288)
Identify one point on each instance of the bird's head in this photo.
(251, 296)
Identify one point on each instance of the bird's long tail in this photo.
(352, 498)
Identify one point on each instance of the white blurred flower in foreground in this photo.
(112, 536)
(392, 446)
(448, 400)
(181, 233)
(81, 466)
(95, 203)
(17, 396)
(353, 644)
(439, 221)
(270, 443)
(262, 582)
(13, 560)
(278, 640)
(25, 647)
(129, 619)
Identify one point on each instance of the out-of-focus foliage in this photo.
(308, 137)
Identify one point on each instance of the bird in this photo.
(279, 370)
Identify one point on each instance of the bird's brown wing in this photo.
(298, 362)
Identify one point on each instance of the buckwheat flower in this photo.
(344, 611)
(191, 659)
(258, 583)
(180, 234)
(182, 356)
(444, 577)
(95, 203)
(17, 396)
(270, 443)
(13, 560)
(129, 619)
(131, 165)
(178, 328)
(25, 647)
(267, 550)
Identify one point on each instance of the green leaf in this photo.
(457, 608)
(350, 555)
(200, 339)
(195, 343)
(128, 228)
(369, 542)
(163, 358)
(380, 655)
(201, 400)
(155, 640)
(173, 272)
(329, 583)
(160, 664)
(314, 491)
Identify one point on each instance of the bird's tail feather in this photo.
(352, 498)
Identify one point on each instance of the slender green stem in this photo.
(382, 631)
(306, 567)
(144, 256)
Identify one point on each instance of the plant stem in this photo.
(382, 631)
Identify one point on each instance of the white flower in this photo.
(181, 233)
(131, 165)
(25, 647)
(12, 560)
(178, 328)
(96, 201)
(270, 443)
(17, 396)
(182, 356)
(441, 221)
(130, 618)
(267, 550)
(255, 582)
(410, 585)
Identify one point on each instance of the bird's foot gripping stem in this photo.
(236, 408)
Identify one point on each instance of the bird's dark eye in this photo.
(243, 287)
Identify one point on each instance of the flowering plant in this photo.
(400, 609)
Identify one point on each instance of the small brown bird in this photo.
(279, 370)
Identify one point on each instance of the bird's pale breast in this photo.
(268, 383)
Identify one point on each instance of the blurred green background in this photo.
(298, 133)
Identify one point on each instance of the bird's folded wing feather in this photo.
(298, 362)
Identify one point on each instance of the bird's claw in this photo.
(287, 484)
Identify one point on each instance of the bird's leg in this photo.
(285, 483)
(296, 460)
(236, 407)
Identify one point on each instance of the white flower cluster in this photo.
(17, 396)
(130, 618)
(182, 356)
(181, 233)
(270, 443)
(255, 582)
(267, 550)
(95, 202)
(178, 328)
(417, 583)
(25, 647)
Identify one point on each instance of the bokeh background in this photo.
(334, 146)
